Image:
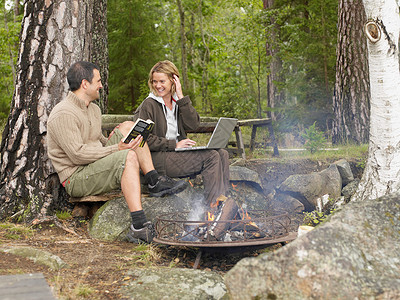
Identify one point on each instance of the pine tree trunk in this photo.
(273, 95)
(351, 99)
(185, 78)
(271, 46)
(381, 175)
(54, 35)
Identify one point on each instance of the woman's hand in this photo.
(178, 87)
(133, 144)
(185, 143)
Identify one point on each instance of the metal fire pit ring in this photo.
(171, 229)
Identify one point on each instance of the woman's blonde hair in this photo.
(167, 68)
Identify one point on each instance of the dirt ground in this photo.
(96, 269)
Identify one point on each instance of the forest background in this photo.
(225, 50)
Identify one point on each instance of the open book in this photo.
(142, 127)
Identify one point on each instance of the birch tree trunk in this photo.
(351, 99)
(382, 172)
(54, 35)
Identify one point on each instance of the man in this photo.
(89, 164)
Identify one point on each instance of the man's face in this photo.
(93, 88)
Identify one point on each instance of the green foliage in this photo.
(84, 290)
(314, 218)
(63, 215)
(314, 138)
(9, 42)
(15, 231)
(145, 255)
(227, 63)
(134, 47)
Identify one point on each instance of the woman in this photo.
(173, 114)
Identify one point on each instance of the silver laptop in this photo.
(220, 136)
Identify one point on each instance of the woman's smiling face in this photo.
(162, 84)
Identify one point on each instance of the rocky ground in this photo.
(96, 269)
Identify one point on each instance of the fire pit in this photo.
(226, 226)
(259, 229)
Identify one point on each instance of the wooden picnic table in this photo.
(207, 125)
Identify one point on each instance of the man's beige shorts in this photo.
(100, 176)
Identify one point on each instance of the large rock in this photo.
(355, 255)
(38, 256)
(349, 190)
(243, 174)
(246, 188)
(308, 188)
(345, 171)
(111, 222)
(173, 283)
(247, 194)
(285, 203)
(186, 200)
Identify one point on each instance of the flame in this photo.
(218, 201)
(253, 224)
(190, 183)
(247, 217)
(234, 186)
(215, 204)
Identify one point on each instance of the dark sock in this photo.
(152, 177)
(138, 219)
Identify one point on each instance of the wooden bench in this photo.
(207, 125)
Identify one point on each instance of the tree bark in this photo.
(16, 9)
(54, 35)
(351, 99)
(381, 175)
(183, 46)
(99, 47)
(10, 50)
(274, 95)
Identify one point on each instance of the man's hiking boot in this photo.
(166, 186)
(141, 235)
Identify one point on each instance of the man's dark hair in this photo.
(79, 71)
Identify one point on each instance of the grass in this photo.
(15, 231)
(262, 138)
(63, 215)
(83, 290)
(342, 151)
(145, 255)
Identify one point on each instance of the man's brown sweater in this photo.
(74, 136)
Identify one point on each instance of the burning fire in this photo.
(245, 216)
(214, 206)
(234, 186)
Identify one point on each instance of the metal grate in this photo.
(256, 229)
